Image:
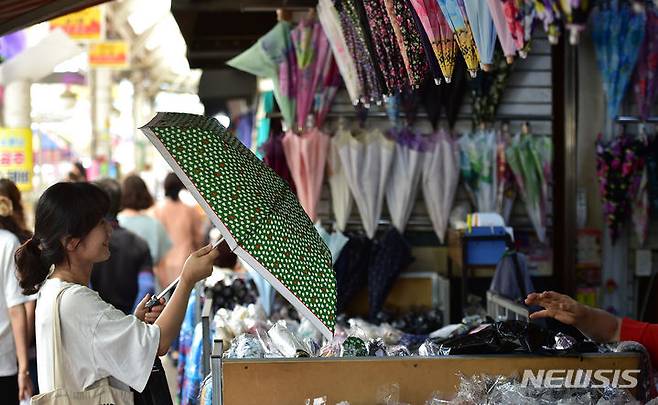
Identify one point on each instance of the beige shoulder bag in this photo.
(100, 393)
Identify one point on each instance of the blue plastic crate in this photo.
(485, 252)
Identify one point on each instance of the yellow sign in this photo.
(84, 25)
(16, 156)
(109, 54)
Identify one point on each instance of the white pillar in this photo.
(101, 88)
(17, 105)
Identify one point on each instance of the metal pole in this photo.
(216, 364)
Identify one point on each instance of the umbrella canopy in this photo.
(306, 155)
(478, 168)
(366, 159)
(405, 175)
(619, 167)
(455, 13)
(528, 156)
(502, 29)
(265, 58)
(341, 199)
(439, 34)
(440, 180)
(484, 31)
(330, 21)
(409, 41)
(617, 31)
(646, 69)
(253, 208)
(388, 53)
(575, 16)
(390, 255)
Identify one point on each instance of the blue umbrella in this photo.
(617, 31)
(484, 30)
(455, 13)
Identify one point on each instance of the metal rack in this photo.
(501, 308)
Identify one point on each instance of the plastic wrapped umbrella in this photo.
(484, 31)
(502, 29)
(439, 34)
(440, 180)
(548, 12)
(265, 58)
(575, 14)
(617, 31)
(455, 14)
(306, 155)
(387, 50)
(646, 70)
(366, 160)
(253, 208)
(619, 166)
(330, 20)
(409, 40)
(478, 168)
(341, 199)
(389, 256)
(405, 173)
(329, 87)
(525, 162)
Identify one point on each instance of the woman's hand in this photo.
(199, 264)
(149, 315)
(594, 323)
(25, 388)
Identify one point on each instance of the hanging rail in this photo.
(632, 119)
(383, 114)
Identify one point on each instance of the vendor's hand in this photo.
(199, 264)
(25, 388)
(559, 306)
(149, 315)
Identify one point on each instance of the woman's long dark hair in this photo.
(14, 223)
(65, 210)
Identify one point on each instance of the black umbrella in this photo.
(351, 270)
(446, 96)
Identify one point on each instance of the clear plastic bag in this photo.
(317, 401)
(245, 346)
(286, 342)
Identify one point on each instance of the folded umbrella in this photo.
(352, 270)
(519, 15)
(478, 168)
(440, 180)
(502, 29)
(487, 91)
(335, 241)
(484, 31)
(575, 14)
(366, 160)
(341, 199)
(646, 69)
(253, 208)
(428, 48)
(548, 12)
(455, 13)
(447, 97)
(405, 175)
(275, 157)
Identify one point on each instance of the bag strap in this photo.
(58, 361)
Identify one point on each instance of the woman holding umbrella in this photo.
(77, 333)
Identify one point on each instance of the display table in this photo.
(292, 381)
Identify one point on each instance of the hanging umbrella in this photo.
(257, 214)
(447, 97)
(619, 165)
(366, 160)
(455, 14)
(306, 155)
(331, 26)
(478, 168)
(325, 96)
(617, 31)
(506, 192)
(484, 31)
(428, 49)
(352, 270)
(275, 157)
(502, 29)
(646, 70)
(440, 180)
(575, 14)
(641, 210)
(335, 241)
(487, 91)
(548, 12)
(264, 59)
(406, 172)
(409, 42)
(388, 53)
(390, 255)
(439, 34)
(341, 199)
(519, 17)
(528, 171)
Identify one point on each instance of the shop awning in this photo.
(17, 14)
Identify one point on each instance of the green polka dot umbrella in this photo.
(254, 209)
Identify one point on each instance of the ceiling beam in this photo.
(241, 5)
(35, 13)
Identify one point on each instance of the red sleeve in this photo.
(644, 333)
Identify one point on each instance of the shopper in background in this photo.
(127, 276)
(184, 227)
(71, 235)
(15, 382)
(77, 173)
(597, 324)
(135, 200)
